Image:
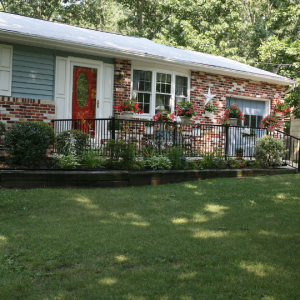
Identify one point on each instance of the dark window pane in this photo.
(158, 87)
(168, 78)
(147, 98)
(148, 86)
(168, 89)
(247, 121)
(253, 121)
(146, 108)
(259, 118)
(141, 86)
(148, 75)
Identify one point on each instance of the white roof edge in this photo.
(43, 41)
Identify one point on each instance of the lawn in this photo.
(213, 239)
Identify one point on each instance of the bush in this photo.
(26, 143)
(159, 162)
(269, 150)
(174, 156)
(69, 161)
(72, 141)
(48, 129)
(91, 159)
(122, 153)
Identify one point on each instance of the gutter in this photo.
(55, 43)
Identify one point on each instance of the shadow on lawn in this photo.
(216, 239)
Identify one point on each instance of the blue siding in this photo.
(33, 70)
(33, 73)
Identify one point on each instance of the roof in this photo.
(120, 46)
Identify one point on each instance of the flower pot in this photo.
(239, 156)
(148, 129)
(128, 115)
(209, 114)
(278, 114)
(185, 120)
(232, 121)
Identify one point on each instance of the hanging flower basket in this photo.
(270, 122)
(128, 107)
(186, 110)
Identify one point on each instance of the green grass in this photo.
(214, 239)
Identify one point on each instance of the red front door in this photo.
(84, 98)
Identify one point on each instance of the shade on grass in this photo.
(214, 239)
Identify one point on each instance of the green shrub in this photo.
(69, 161)
(48, 129)
(91, 159)
(269, 150)
(2, 128)
(73, 141)
(122, 154)
(174, 157)
(26, 143)
(159, 162)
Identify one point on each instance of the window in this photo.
(5, 70)
(156, 91)
(142, 89)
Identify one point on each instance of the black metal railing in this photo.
(193, 138)
(292, 144)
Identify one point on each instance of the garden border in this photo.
(28, 179)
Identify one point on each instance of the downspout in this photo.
(290, 89)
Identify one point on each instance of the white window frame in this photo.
(153, 88)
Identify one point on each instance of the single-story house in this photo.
(51, 70)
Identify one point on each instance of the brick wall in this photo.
(122, 89)
(223, 85)
(13, 110)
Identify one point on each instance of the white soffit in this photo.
(63, 36)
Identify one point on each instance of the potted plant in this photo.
(239, 153)
(233, 113)
(209, 110)
(165, 117)
(270, 122)
(128, 107)
(118, 127)
(149, 127)
(186, 110)
(281, 109)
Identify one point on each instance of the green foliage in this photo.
(122, 154)
(239, 150)
(69, 161)
(213, 159)
(118, 124)
(159, 162)
(73, 141)
(26, 143)
(49, 131)
(174, 157)
(269, 150)
(90, 159)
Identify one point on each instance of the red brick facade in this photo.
(200, 82)
(122, 89)
(224, 85)
(14, 110)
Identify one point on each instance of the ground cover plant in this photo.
(212, 239)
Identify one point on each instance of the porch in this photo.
(194, 139)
